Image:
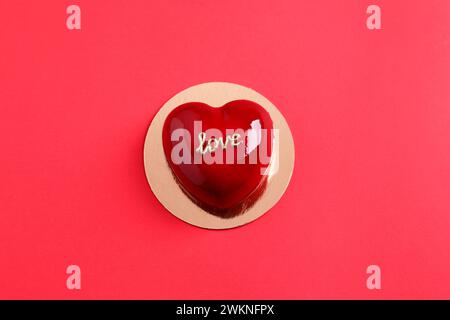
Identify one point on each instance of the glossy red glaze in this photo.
(223, 189)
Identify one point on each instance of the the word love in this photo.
(212, 144)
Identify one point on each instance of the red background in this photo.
(369, 112)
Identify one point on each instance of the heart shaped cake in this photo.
(220, 157)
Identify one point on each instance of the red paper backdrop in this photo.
(369, 112)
